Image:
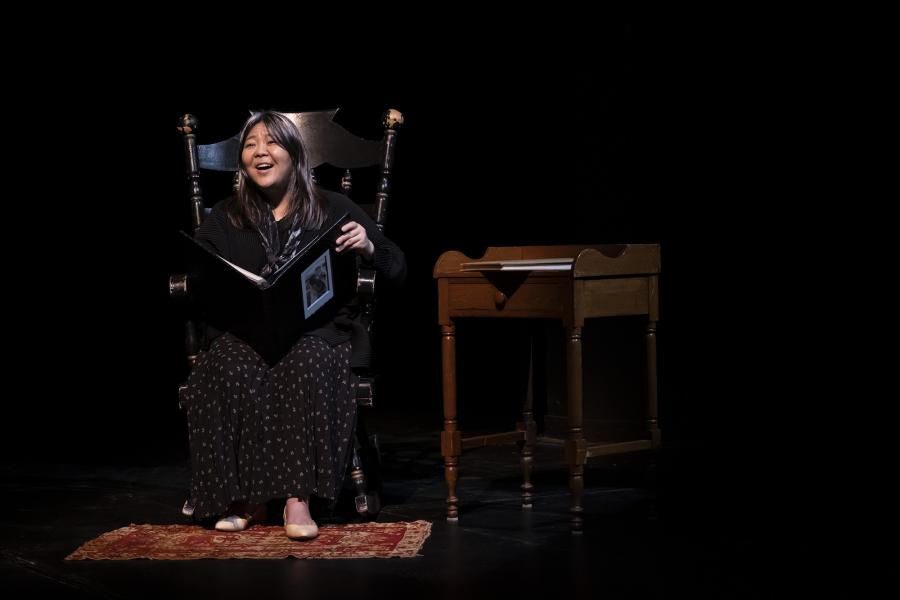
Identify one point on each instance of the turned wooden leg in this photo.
(528, 426)
(450, 436)
(575, 448)
(652, 406)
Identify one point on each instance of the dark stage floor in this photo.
(687, 532)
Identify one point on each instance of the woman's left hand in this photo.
(354, 237)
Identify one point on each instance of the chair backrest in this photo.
(328, 145)
(326, 142)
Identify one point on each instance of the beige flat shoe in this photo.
(232, 523)
(242, 521)
(299, 532)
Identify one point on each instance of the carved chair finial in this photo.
(393, 118)
(187, 124)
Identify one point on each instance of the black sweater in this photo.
(243, 247)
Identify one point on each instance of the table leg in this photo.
(652, 406)
(529, 428)
(450, 437)
(575, 448)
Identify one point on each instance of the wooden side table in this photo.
(568, 283)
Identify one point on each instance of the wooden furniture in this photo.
(582, 282)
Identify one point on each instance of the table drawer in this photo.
(484, 299)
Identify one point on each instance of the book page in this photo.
(526, 264)
(251, 276)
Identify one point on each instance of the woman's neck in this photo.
(281, 209)
(279, 198)
(279, 201)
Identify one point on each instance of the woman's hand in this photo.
(354, 237)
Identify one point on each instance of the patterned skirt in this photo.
(259, 432)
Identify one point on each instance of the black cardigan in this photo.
(243, 247)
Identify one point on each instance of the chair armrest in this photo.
(365, 393)
(365, 284)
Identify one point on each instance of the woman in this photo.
(260, 431)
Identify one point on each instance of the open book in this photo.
(271, 313)
(525, 264)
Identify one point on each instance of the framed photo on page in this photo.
(317, 284)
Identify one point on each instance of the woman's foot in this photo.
(241, 515)
(298, 524)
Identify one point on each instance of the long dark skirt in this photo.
(260, 432)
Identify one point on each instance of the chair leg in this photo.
(368, 502)
(365, 468)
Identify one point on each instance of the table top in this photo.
(573, 261)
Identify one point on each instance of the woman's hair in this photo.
(305, 200)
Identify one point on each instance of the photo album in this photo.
(271, 313)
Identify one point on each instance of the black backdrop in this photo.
(633, 134)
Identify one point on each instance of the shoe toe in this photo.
(231, 523)
(301, 532)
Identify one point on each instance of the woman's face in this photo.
(264, 160)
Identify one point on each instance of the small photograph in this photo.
(317, 284)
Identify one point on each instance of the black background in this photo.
(630, 132)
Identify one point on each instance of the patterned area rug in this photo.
(189, 542)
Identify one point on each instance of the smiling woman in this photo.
(275, 187)
(261, 431)
(265, 160)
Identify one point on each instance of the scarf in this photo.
(277, 252)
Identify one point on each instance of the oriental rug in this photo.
(190, 542)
